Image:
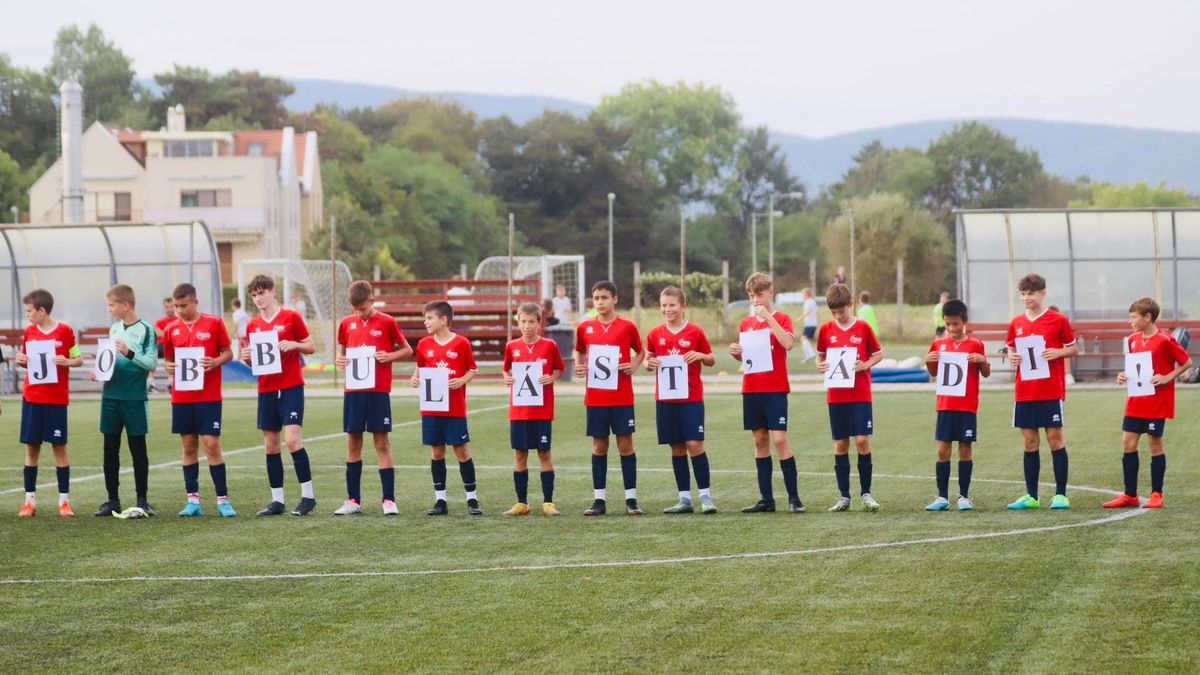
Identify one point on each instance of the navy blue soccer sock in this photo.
(437, 468)
(841, 469)
(599, 471)
(63, 474)
(31, 479)
(1129, 467)
(521, 483)
(191, 478)
(683, 479)
(354, 480)
(765, 467)
(1059, 458)
(943, 478)
(547, 486)
(1158, 471)
(700, 466)
(275, 470)
(1033, 467)
(217, 473)
(788, 468)
(965, 467)
(466, 470)
(629, 470)
(864, 472)
(387, 482)
(300, 463)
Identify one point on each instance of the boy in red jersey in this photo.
(159, 333)
(609, 410)
(196, 415)
(369, 409)
(445, 349)
(1039, 402)
(765, 396)
(530, 425)
(850, 412)
(1149, 414)
(681, 420)
(281, 396)
(44, 406)
(957, 415)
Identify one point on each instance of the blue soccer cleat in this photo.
(225, 509)
(191, 510)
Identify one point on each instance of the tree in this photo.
(977, 167)
(905, 171)
(13, 185)
(761, 169)
(426, 126)
(238, 99)
(1138, 195)
(682, 136)
(104, 71)
(340, 138)
(28, 116)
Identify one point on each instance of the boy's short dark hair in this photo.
(184, 291)
(441, 308)
(758, 282)
(1032, 282)
(675, 292)
(235, 303)
(530, 308)
(956, 308)
(40, 298)
(864, 297)
(1144, 306)
(360, 291)
(606, 285)
(837, 296)
(260, 282)
(122, 293)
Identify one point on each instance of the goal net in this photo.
(315, 288)
(550, 270)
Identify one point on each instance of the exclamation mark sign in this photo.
(1138, 368)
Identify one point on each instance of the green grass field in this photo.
(902, 589)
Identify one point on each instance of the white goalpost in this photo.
(317, 287)
(549, 270)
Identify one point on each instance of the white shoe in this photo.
(842, 504)
(965, 504)
(349, 507)
(389, 508)
(869, 503)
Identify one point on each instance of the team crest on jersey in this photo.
(685, 343)
(854, 339)
(279, 328)
(453, 355)
(203, 335)
(376, 333)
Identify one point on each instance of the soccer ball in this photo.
(131, 512)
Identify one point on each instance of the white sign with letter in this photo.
(1033, 365)
(602, 367)
(360, 372)
(1139, 368)
(756, 351)
(840, 374)
(434, 389)
(106, 359)
(189, 369)
(527, 392)
(952, 374)
(672, 378)
(41, 362)
(264, 353)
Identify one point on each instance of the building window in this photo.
(255, 149)
(123, 207)
(188, 149)
(205, 198)
(113, 207)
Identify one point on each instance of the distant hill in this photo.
(1067, 149)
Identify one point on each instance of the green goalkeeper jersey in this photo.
(128, 382)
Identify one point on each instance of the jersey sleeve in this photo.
(635, 339)
(341, 335)
(398, 339)
(1177, 353)
(468, 355)
(702, 344)
(145, 356)
(650, 342)
(508, 360)
(872, 342)
(222, 333)
(785, 322)
(580, 347)
(299, 328)
(556, 360)
(1065, 332)
(1011, 338)
(822, 339)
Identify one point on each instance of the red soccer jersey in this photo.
(969, 345)
(209, 332)
(662, 341)
(545, 351)
(289, 325)
(622, 333)
(858, 335)
(64, 342)
(455, 355)
(1055, 328)
(379, 331)
(163, 322)
(1166, 355)
(777, 379)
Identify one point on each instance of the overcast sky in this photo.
(804, 67)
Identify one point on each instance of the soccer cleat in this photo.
(108, 508)
(225, 509)
(632, 508)
(599, 508)
(549, 509)
(274, 509)
(349, 508)
(842, 504)
(795, 505)
(390, 508)
(1122, 501)
(681, 507)
(1060, 502)
(27, 511)
(473, 508)
(1155, 501)
(438, 508)
(939, 504)
(869, 503)
(1025, 503)
(965, 504)
(762, 506)
(65, 510)
(706, 505)
(305, 506)
(518, 509)
(144, 505)
(191, 510)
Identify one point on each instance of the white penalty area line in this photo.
(1123, 515)
(239, 451)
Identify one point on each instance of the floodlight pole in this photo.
(611, 198)
(853, 285)
(508, 313)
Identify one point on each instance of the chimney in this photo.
(71, 129)
(176, 120)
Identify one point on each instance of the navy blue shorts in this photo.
(765, 411)
(277, 409)
(530, 434)
(196, 419)
(43, 423)
(1038, 414)
(444, 431)
(680, 422)
(1141, 425)
(616, 420)
(366, 411)
(810, 332)
(957, 425)
(850, 419)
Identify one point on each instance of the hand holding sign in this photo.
(189, 369)
(840, 373)
(756, 351)
(527, 389)
(672, 378)
(434, 389)
(264, 353)
(952, 374)
(360, 368)
(602, 367)
(1032, 366)
(106, 359)
(41, 362)
(1139, 371)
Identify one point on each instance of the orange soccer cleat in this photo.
(64, 510)
(1122, 501)
(1155, 501)
(27, 511)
